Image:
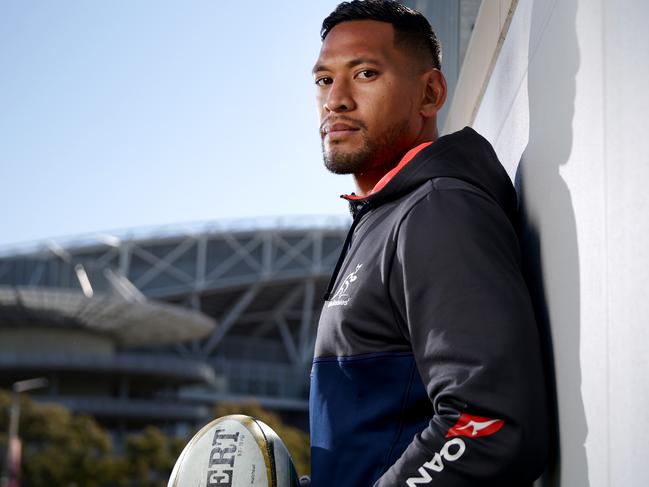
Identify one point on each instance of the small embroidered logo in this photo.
(341, 298)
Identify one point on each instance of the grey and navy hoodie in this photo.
(427, 367)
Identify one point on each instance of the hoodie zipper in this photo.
(365, 206)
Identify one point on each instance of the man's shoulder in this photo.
(434, 192)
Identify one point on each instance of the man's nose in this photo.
(339, 97)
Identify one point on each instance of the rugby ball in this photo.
(234, 451)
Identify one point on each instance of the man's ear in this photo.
(434, 94)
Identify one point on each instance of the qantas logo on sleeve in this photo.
(475, 426)
(467, 425)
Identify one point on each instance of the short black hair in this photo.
(411, 28)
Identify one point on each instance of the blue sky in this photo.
(120, 114)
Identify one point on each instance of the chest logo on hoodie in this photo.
(341, 298)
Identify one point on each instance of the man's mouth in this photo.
(338, 130)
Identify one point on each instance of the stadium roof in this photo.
(116, 236)
(89, 288)
(135, 322)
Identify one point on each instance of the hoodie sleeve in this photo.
(458, 293)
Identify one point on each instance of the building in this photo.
(157, 326)
(558, 88)
(453, 22)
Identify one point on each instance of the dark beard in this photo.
(342, 163)
(371, 154)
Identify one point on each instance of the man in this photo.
(427, 367)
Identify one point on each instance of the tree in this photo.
(151, 456)
(296, 440)
(60, 448)
(68, 450)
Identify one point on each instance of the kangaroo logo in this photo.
(475, 426)
(341, 298)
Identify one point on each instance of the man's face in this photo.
(368, 95)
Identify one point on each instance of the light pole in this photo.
(12, 467)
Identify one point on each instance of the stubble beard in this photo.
(372, 153)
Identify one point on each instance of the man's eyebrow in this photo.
(349, 64)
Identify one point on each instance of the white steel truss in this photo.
(261, 286)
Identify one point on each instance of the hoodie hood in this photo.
(464, 155)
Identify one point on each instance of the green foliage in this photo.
(60, 448)
(63, 449)
(151, 456)
(296, 440)
(68, 450)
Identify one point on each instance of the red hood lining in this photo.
(387, 177)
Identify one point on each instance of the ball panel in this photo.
(283, 468)
(253, 427)
(228, 452)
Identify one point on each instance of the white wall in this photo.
(564, 104)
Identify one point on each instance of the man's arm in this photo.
(457, 290)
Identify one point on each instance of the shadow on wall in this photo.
(549, 236)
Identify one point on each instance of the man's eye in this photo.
(324, 80)
(366, 73)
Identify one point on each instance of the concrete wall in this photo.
(26, 340)
(564, 100)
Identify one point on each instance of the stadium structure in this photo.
(155, 326)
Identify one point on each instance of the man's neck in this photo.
(367, 181)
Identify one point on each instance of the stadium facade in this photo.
(157, 326)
